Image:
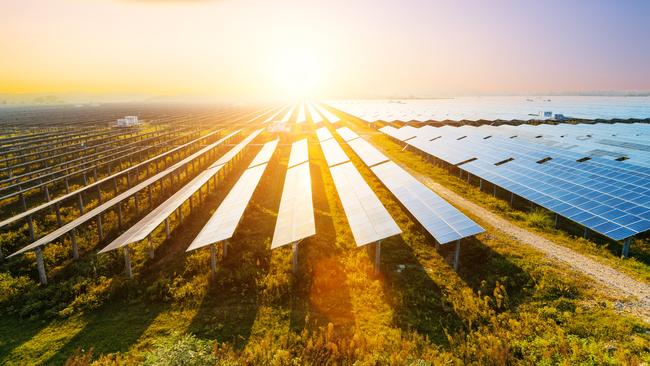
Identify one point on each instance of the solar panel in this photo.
(288, 115)
(299, 153)
(224, 221)
(368, 218)
(405, 133)
(315, 116)
(332, 118)
(389, 130)
(238, 148)
(86, 188)
(264, 156)
(113, 201)
(323, 134)
(369, 154)
(274, 116)
(347, 134)
(333, 153)
(302, 118)
(144, 227)
(443, 221)
(296, 214)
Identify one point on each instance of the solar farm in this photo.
(330, 231)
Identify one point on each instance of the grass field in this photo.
(507, 304)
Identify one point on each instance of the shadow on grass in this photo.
(417, 301)
(481, 267)
(112, 328)
(321, 291)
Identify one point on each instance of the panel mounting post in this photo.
(377, 257)
(294, 259)
(213, 259)
(40, 264)
(457, 255)
(150, 246)
(127, 261)
(626, 248)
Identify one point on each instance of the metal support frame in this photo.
(457, 255)
(100, 229)
(213, 259)
(127, 262)
(75, 246)
(626, 248)
(377, 257)
(40, 264)
(150, 247)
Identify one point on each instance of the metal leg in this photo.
(167, 228)
(457, 255)
(626, 248)
(378, 257)
(30, 221)
(150, 247)
(213, 259)
(294, 260)
(40, 264)
(127, 262)
(100, 229)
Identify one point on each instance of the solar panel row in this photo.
(223, 223)
(296, 213)
(443, 221)
(143, 228)
(607, 196)
(115, 200)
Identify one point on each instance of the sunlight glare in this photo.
(297, 73)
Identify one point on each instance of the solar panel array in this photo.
(315, 116)
(299, 153)
(113, 201)
(570, 170)
(368, 219)
(443, 221)
(143, 228)
(496, 108)
(223, 223)
(296, 213)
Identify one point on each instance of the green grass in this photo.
(506, 304)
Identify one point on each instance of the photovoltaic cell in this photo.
(368, 218)
(296, 214)
(347, 134)
(264, 156)
(333, 153)
(323, 134)
(224, 221)
(144, 227)
(369, 154)
(443, 221)
(299, 153)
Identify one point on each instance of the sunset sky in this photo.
(361, 48)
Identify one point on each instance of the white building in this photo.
(128, 121)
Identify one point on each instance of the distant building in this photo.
(128, 121)
(546, 114)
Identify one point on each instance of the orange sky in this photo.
(330, 48)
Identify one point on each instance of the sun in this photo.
(297, 72)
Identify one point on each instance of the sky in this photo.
(324, 49)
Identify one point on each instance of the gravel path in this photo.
(613, 280)
(606, 275)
